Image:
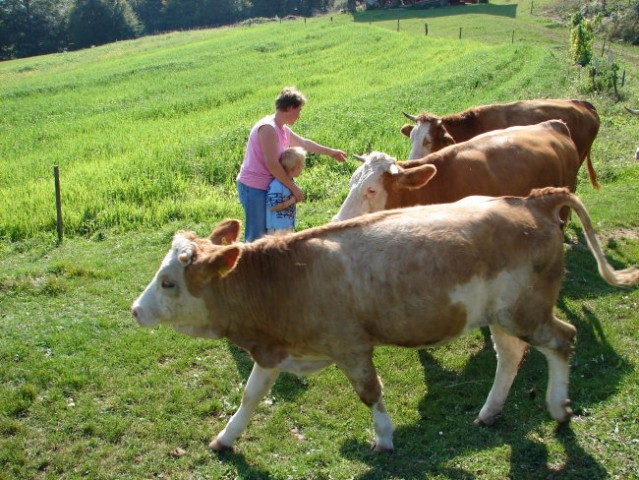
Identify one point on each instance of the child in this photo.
(280, 203)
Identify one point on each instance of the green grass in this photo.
(149, 135)
(152, 131)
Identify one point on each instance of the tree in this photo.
(31, 27)
(150, 13)
(264, 8)
(223, 12)
(96, 22)
(582, 39)
(183, 14)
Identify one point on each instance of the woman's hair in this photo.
(293, 156)
(289, 97)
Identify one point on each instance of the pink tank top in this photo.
(254, 172)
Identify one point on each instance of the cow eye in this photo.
(167, 284)
(370, 191)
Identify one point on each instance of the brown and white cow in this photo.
(409, 277)
(433, 132)
(512, 161)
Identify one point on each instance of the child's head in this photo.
(292, 159)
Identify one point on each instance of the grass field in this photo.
(149, 134)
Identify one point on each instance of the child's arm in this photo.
(284, 204)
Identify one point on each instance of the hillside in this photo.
(134, 125)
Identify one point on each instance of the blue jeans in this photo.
(253, 201)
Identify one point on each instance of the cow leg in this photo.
(510, 352)
(259, 383)
(368, 386)
(556, 342)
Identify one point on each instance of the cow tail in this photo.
(591, 172)
(618, 278)
(552, 200)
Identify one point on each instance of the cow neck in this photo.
(243, 289)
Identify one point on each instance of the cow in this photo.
(409, 277)
(433, 132)
(512, 161)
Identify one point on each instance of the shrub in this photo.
(582, 38)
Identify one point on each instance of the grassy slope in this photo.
(86, 393)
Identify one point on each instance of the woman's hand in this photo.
(338, 155)
(298, 194)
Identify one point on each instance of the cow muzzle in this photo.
(141, 316)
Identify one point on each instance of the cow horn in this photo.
(634, 111)
(360, 158)
(410, 117)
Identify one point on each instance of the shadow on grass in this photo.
(287, 387)
(582, 279)
(444, 437)
(481, 9)
(434, 446)
(245, 470)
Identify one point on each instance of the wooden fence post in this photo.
(398, 24)
(425, 29)
(460, 30)
(58, 201)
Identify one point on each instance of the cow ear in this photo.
(442, 134)
(213, 265)
(406, 129)
(226, 232)
(225, 260)
(416, 177)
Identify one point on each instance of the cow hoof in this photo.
(481, 423)
(378, 448)
(487, 421)
(567, 417)
(562, 414)
(219, 447)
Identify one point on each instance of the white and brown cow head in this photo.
(427, 136)
(174, 295)
(375, 180)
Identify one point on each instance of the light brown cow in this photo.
(433, 133)
(410, 277)
(512, 161)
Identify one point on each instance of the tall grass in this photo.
(152, 131)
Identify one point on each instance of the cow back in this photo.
(581, 118)
(507, 162)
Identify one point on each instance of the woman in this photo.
(268, 138)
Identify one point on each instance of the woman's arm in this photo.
(284, 204)
(314, 147)
(268, 142)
